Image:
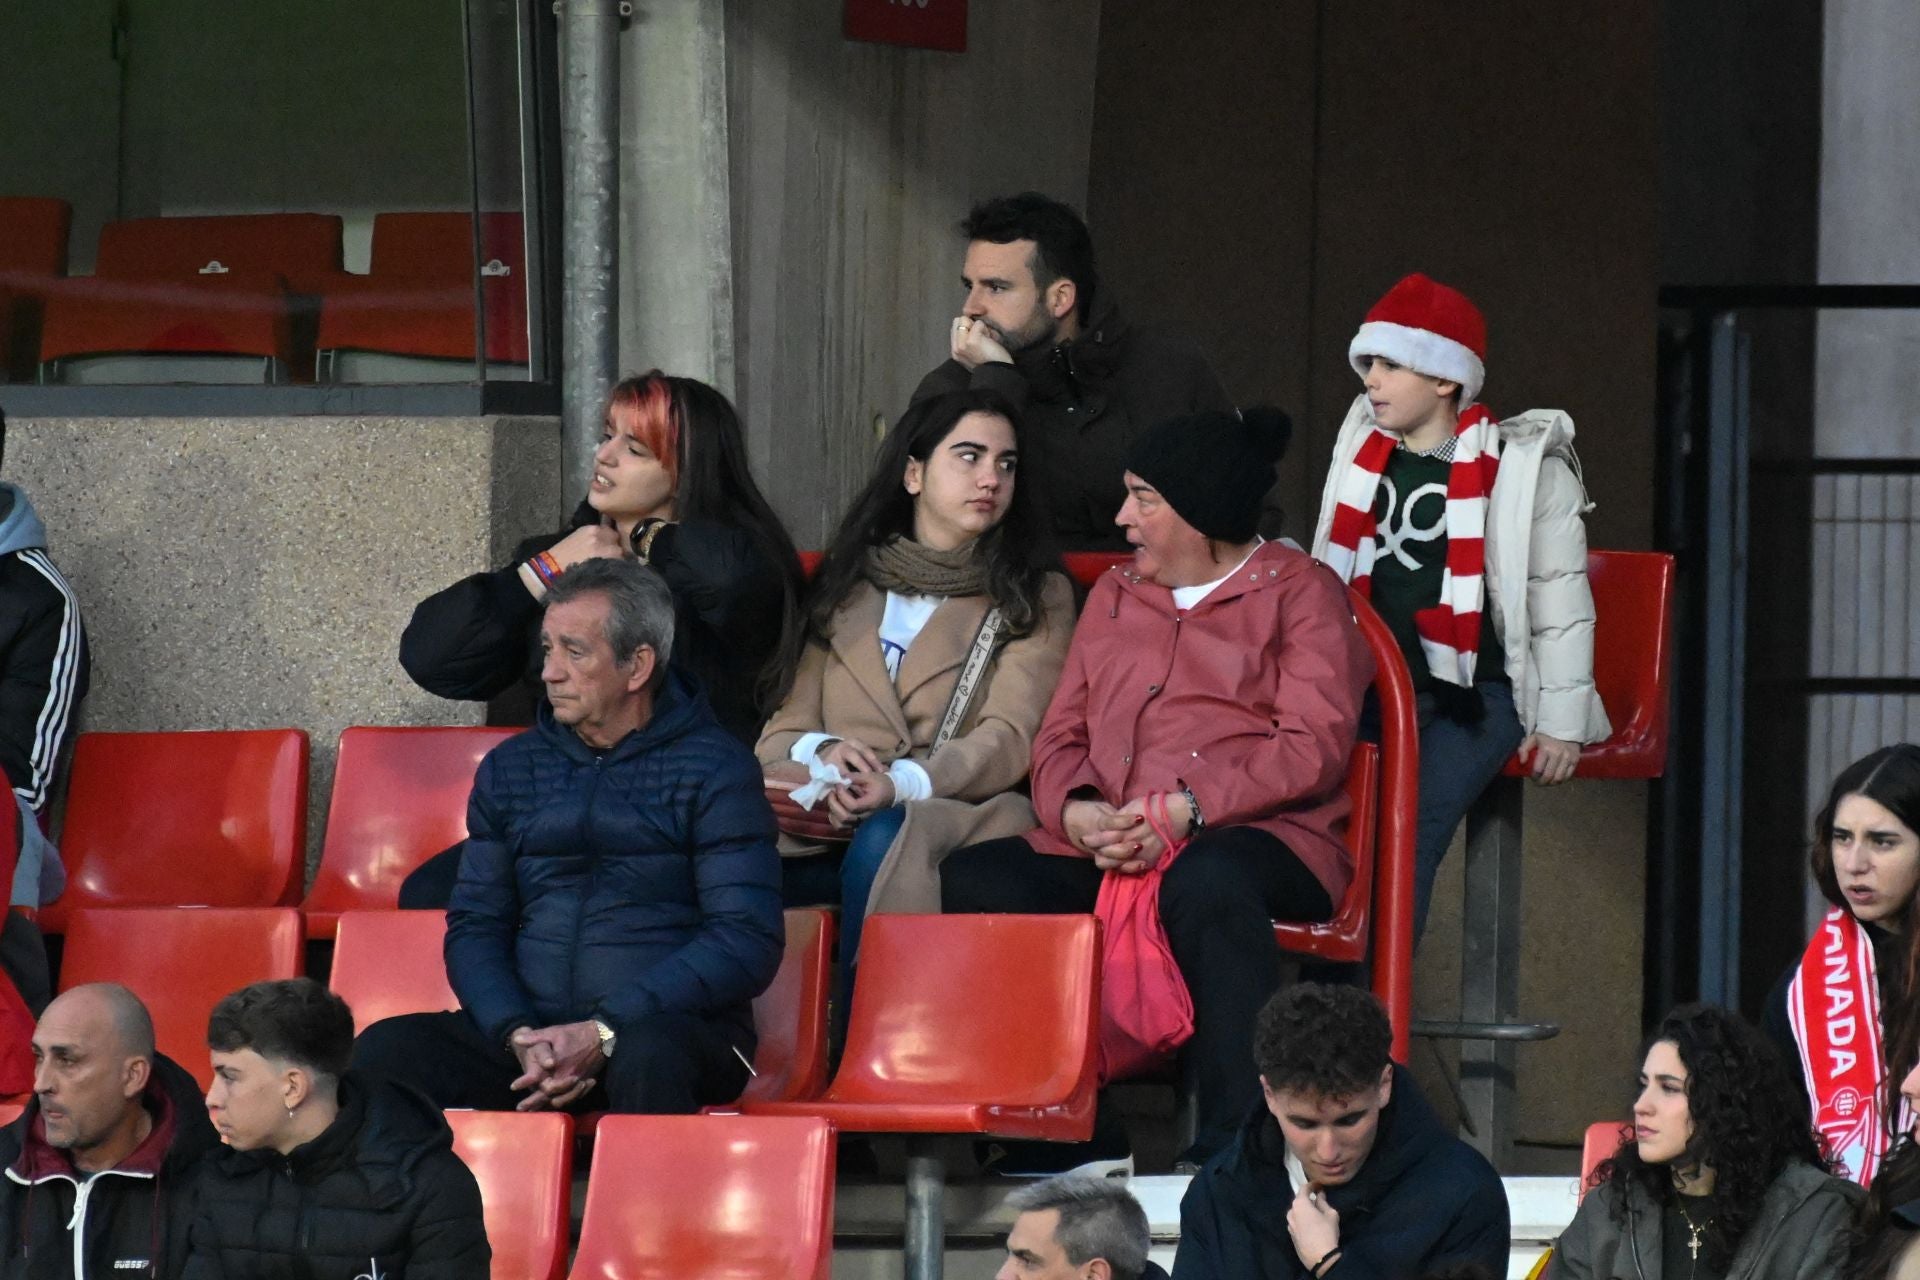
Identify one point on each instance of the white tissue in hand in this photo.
(825, 777)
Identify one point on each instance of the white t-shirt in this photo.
(1187, 597)
(901, 622)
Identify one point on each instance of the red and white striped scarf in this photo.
(1449, 631)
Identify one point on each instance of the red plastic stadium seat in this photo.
(928, 1048)
(1087, 566)
(33, 254)
(205, 285)
(184, 819)
(180, 961)
(386, 963)
(11, 1109)
(33, 237)
(1602, 1140)
(1383, 784)
(523, 1162)
(418, 297)
(1632, 663)
(790, 1016)
(399, 797)
(1344, 937)
(709, 1198)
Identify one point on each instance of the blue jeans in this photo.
(1457, 762)
(809, 881)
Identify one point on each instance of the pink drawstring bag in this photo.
(1145, 1010)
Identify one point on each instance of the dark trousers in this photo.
(429, 886)
(669, 1064)
(1217, 903)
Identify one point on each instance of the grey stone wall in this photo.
(257, 572)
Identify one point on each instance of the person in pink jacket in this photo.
(1223, 674)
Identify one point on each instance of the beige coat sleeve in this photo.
(802, 711)
(994, 754)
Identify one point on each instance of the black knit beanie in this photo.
(1214, 468)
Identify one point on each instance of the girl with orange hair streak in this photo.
(670, 487)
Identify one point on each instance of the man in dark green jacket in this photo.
(1343, 1171)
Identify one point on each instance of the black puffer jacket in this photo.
(135, 1216)
(1085, 403)
(380, 1193)
(481, 636)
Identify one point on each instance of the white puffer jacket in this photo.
(1536, 568)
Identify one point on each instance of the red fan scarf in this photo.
(1833, 1004)
(1449, 631)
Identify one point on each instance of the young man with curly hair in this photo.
(1343, 1170)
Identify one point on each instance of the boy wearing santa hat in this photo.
(1466, 535)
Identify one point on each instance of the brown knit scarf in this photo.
(903, 565)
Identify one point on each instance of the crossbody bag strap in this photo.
(970, 674)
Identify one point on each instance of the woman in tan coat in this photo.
(936, 632)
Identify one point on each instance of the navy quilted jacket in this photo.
(617, 884)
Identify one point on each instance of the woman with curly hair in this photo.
(1842, 1011)
(1721, 1176)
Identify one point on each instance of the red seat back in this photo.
(1087, 566)
(181, 961)
(185, 819)
(399, 797)
(1344, 937)
(790, 1016)
(1632, 664)
(439, 246)
(930, 1015)
(1602, 1140)
(386, 963)
(744, 1197)
(1632, 661)
(10, 1111)
(523, 1161)
(33, 237)
(301, 247)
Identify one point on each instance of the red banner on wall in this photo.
(919, 24)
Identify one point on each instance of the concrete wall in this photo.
(1261, 175)
(257, 572)
(851, 163)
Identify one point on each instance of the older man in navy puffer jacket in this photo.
(618, 906)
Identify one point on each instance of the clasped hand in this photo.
(868, 788)
(558, 1064)
(1122, 839)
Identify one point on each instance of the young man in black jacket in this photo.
(110, 1115)
(1343, 1171)
(326, 1172)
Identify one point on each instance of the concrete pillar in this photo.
(676, 261)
